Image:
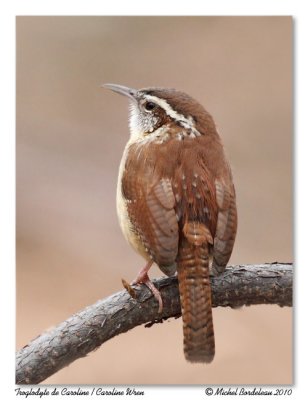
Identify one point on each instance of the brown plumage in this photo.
(176, 202)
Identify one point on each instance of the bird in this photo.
(176, 203)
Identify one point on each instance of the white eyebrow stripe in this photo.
(185, 122)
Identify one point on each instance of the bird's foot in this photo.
(143, 277)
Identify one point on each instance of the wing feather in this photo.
(226, 226)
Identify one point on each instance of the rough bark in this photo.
(88, 329)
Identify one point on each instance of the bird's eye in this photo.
(149, 105)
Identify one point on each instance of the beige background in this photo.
(70, 137)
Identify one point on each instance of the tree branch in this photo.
(88, 329)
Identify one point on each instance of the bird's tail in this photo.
(195, 293)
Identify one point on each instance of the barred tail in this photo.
(195, 293)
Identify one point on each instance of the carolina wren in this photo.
(176, 202)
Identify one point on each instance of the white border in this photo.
(296, 8)
(158, 7)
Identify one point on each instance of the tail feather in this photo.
(195, 293)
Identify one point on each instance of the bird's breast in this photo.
(124, 217)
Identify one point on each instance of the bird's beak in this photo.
(125, 91)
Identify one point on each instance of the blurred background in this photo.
(70, 138)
